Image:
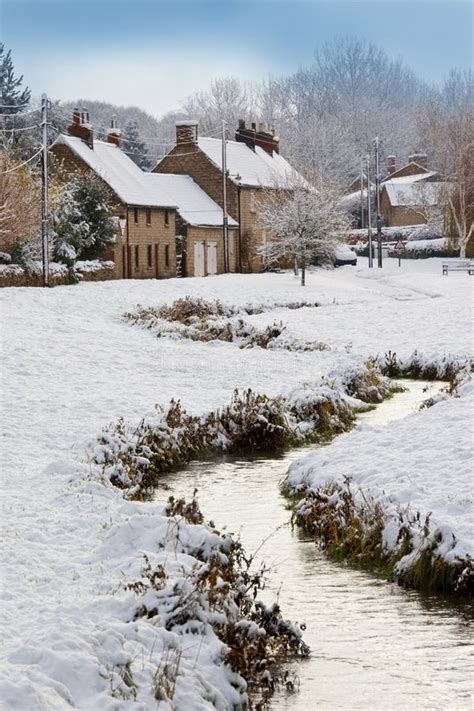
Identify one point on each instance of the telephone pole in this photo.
(225, 222)
(362, 194)
(369, 217)
(377, 195)
(44, 190)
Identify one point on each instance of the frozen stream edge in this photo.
(372, 642)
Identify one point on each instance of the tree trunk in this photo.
(295, 267)
(303, 272)
(462, 249)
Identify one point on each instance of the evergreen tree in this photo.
(12, 96)
(81, 227)
(133, 146)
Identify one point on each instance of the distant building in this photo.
(408, 193)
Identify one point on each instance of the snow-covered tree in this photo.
(12, 96)
(133, 146)
(80, 226)
(304, 224)
(448, 123)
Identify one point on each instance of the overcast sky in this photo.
(154, 53)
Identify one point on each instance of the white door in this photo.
(212, 257)
(199, 269)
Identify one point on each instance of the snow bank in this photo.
(418, 469)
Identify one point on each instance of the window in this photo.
(167, 218)
(149, 256)
(135, 215)
(137, 256)
(148, 216)
(167, 255)
(253, 202)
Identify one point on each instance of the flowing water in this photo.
(373, 645)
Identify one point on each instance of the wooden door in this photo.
(199, 259)
(212, 257)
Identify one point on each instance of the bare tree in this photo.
(449, 124)
(20, 213)
(304, 224)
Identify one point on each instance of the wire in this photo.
(21, 113)
(17, 167)
(24, 128)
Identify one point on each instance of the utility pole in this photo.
(369, 217)
(44, 190)
(377, 191)
(362, 194)
(225, 224)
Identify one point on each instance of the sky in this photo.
(155, 53)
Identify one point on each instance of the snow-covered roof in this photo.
(256, 168)
(127, 180)
(193, 204)
(410, 178)
(402, 194)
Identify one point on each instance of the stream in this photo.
(373, 644)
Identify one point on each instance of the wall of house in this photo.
(398, 216)
(151, 249)
(211, 234)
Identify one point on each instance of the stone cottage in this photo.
(156, 215)
(254, 165)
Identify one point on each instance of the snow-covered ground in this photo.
(70, 365)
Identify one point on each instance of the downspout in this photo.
(128, 272)
(240, 227)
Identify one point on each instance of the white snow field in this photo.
(71, 365)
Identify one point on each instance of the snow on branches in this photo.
(305, 225)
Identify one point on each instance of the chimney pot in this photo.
(391, 164)
(81, 128)
(419, 158)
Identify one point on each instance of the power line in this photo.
(21, 113)
(20, 165)
(23, 128)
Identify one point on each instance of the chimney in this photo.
(263, 138)
(419, 158)
(114, 134)
(391, 165)
(81, 128)
(186, 132)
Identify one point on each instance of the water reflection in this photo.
(374, 645)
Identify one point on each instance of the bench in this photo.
(458, 267)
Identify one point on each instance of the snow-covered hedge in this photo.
(93, 270)
(200, 320)
(132, 456)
